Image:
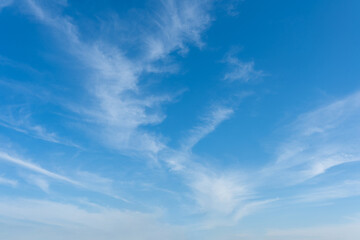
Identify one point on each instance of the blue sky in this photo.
(144, 120)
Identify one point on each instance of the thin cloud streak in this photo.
(90, 221)
(4, 4)
(346, 189)
(210, 122)
(35, 168)
(85, 180)
(320, 140)
(35, 131)
(9, 182)
(122, 109)
(240, 71)
(348, 231)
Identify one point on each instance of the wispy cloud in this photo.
(9, 182)
(216, 116)
(348, 231)
(38, 181)
(19, 118)
(95, 182)
(346, 189)
(114, 80)
(176, 24)
(218, 193)
(122, 107)
(14, 64)
(222, 197)
(36, 131)
(112, 88)
(321, 139)
(219, 198)
(252, 206)
(232, 7)
(241, 71)
(79, 179)
(66, 220)
(178, 159)
(35, 168)
(5, 3)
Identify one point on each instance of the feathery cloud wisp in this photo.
(216, 116)
(35, 168)
(320, 140)
(122, 108)
(65, 220)
(9, 182)
(239, 70)
(4, 4)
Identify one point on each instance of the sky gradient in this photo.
(180, 120)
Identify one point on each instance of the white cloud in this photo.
(37, 219)
(215, 117)
(348, 188)
(330, 117)
(81, 179)
(239, 70)
(252, 207)
(5, 3)
(9, 182)
(218, 193)
(97, 183)
(177, 23)
(121, 107)
(349, 231)
(35, 168)
(179, 159)
(39, 181)
(222, 197)
(19, 118)
(232, 7)
(319, 140)
(14, 64)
